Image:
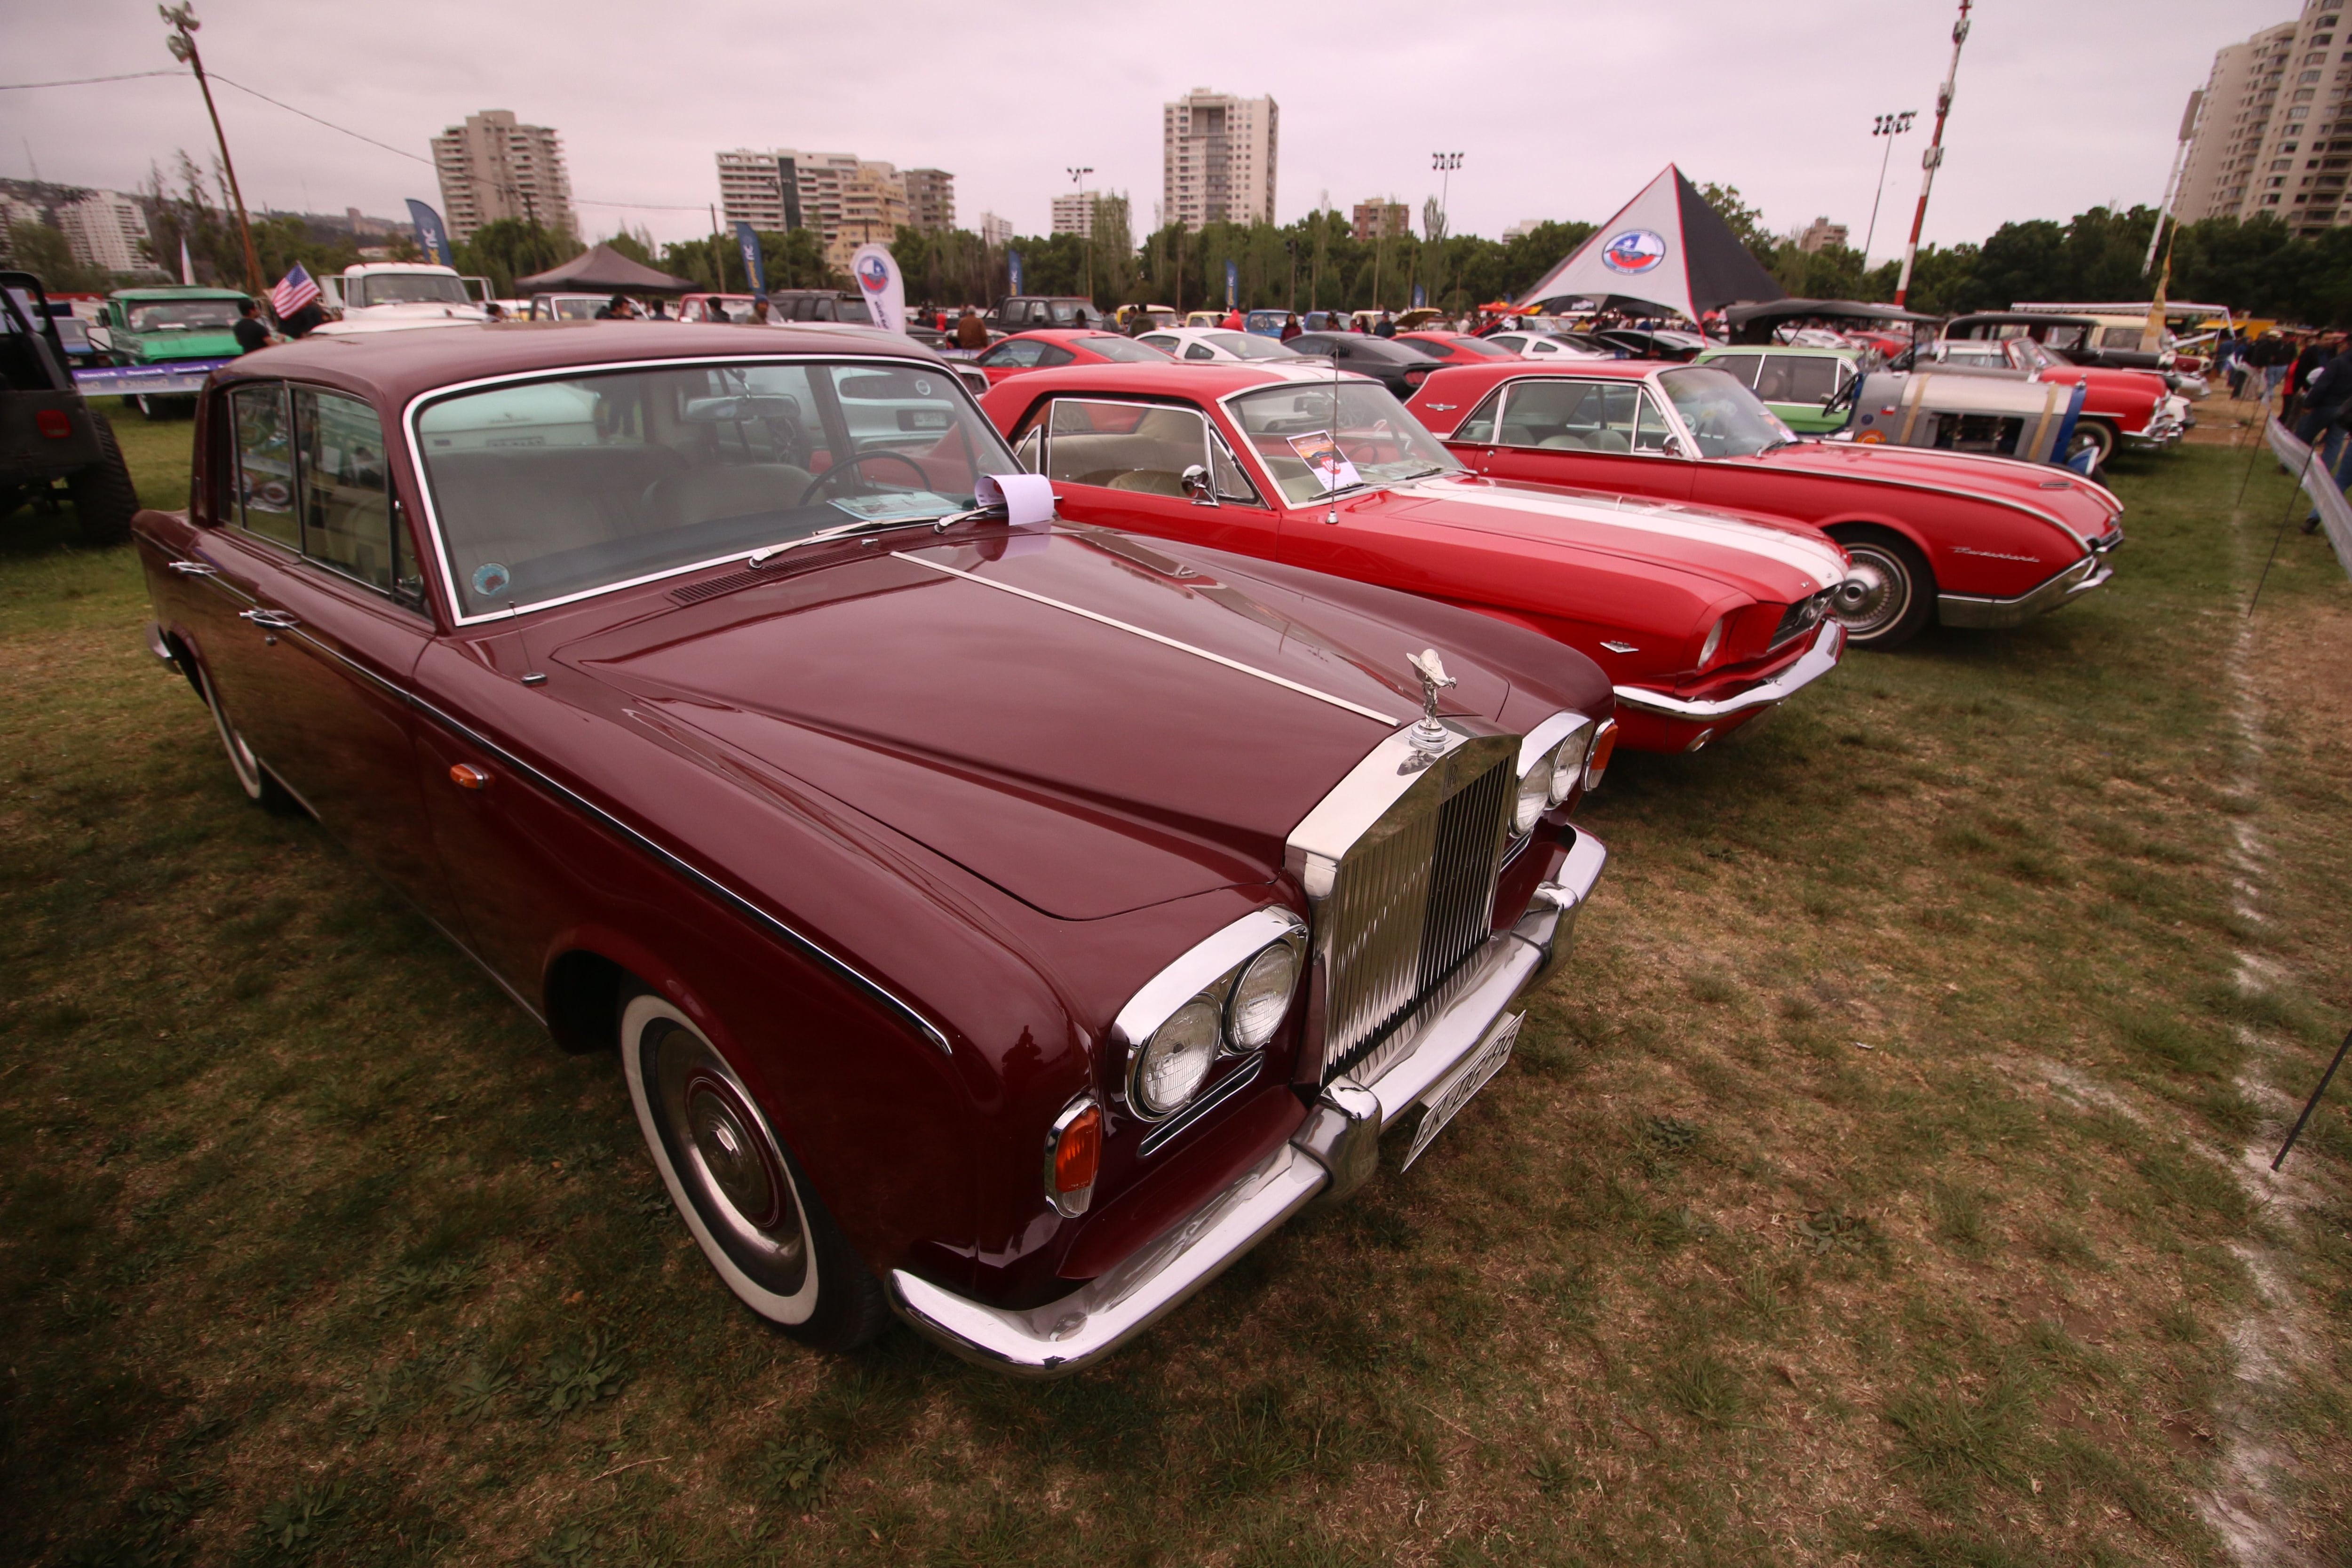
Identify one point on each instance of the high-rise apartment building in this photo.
(994, 230)
(835, 194)
(1074, 213)
(2272, 136)
(1821, 234)
(492, 168)
(104, 230)
(1382, 220)
(1217, 158)
(930, 200)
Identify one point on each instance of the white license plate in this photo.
(1442, 1106)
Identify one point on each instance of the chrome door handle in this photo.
(194, 569)
(277, 620)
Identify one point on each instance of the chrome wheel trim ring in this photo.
(2090, 438)
(241, 760)
(1880, 596)
(774, 1268)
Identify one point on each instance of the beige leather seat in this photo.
(1151, 457)
(709, 494)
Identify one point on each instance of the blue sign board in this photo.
(1012, 264)
(1233, 283)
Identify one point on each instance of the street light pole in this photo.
(1087, 235)
(183, 44)
(1444, 163)
(1934, 157)
(1889, 126)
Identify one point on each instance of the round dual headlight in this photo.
(1262, 997)
(1568, 762)
(1171, 1067)
(1535, 796)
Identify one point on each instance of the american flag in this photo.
(294, 290)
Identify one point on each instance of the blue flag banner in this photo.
(432, 234)
(747, 240)
(1233, 283)
(1012, 264)
(1420, 296)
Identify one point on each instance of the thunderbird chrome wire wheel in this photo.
(1887, 591)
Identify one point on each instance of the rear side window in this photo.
(1143, 447)
(346, 504)
(1740, 368)
(264, 465)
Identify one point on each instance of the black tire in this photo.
(1890, 594)
(103, 496)
(743, 1195)
(2093, 435)
(255, 780)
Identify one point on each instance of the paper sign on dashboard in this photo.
(1323, 459)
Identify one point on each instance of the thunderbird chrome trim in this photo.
(1816, 662)
(1992, 615)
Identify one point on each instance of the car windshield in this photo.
(1725, 417)
(1317, 439)
(552, 489)
(1242, 345)
(183, 316)
(409, 288)
(1126, 350)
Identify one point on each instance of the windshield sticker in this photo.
(895, 504)
(1324, 459)
(490, 579)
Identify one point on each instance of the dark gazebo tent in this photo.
(1667, 249)
(1754, 323)
(601, 269)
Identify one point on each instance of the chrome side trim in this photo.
(1132, 629)
(1993, 615)
(1334, 1152)
(1816, 662)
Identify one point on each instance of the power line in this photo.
(84, 81)
(327, 124)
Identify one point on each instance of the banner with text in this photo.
(747, 242)
(432, 234)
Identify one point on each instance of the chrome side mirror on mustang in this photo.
(1196, 480)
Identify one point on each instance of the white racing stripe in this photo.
(1818, 561)
(1163, 641)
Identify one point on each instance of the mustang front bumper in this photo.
(1991, 615)
(1333, 1153)
(1818, 661)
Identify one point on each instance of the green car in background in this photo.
(169, 339)
(1797, 384)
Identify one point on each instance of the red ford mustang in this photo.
(1971, 540)
(1053, 346)
(1702, 619)
(1455, 348)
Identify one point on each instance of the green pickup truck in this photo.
(172, 338)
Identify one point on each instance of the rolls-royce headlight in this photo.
(1535, 796)
(1262, 997)
(1568, 762)
(1170, 1068)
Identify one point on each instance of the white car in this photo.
(1197, 343)
(389, 297)
(1544, 345)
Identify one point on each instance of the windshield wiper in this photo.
(940, 524)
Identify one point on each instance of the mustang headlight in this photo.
(1714, 640)
(1173, 1063)
(1229, 994)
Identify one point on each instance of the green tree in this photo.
(511, 248)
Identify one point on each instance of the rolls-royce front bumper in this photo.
(1333, 1153)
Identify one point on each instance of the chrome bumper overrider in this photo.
(1818, 661)
(1961, 610)
(1332, 1155)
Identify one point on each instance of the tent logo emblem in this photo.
(1635, 250)
(874, 274)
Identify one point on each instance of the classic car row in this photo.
(1022, 850)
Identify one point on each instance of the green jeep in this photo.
(180, 332)
(1799, 384)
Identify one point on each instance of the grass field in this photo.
(1871, 1188)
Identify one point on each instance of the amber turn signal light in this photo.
(1074, 1157)
(1604, 746)
(466, 775)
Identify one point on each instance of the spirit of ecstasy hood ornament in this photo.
(1429, 735)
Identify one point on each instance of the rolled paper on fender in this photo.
(1027, 499)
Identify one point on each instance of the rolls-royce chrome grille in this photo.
(1410, 895)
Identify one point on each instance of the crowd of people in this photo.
(2306, 379)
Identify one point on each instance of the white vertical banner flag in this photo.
(881, 286)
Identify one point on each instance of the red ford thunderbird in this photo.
(1969, 540)
(1004, 922)
(1702, 619)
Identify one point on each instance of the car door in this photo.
(1596, 435)
(315, 673)
(1122, 464)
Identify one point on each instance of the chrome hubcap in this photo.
(1875, 594)
(724, 1157)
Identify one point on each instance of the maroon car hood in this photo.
(1080, 766)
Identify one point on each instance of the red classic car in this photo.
(1455, 348)
(1972, 541)
(1048, 347)
(1702, 619)
(1002, 923)
(2120, 407)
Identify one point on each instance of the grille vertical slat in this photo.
(1413, 898)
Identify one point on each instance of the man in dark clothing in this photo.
(2316, 351)
(250, 332)
(1385, 328)
(971, 331)
(618, 309)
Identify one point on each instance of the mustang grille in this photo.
(1413, 898)
(1802, 616)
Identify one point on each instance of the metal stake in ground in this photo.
(2309, 453)
(2312, 1103)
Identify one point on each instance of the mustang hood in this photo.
(1089, 724)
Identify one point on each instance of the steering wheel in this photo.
(850, 466)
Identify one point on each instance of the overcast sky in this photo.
(1563, 109)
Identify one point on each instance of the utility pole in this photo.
(1087, 235)
(183, 44)
(1889, 126)
(1934, 157)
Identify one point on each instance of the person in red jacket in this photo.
(1233, 322)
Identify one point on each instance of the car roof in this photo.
(1197, 380)
(397, 366)
(1061, 334)
(178, 291)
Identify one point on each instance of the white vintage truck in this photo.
(393, 296)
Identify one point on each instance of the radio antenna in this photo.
(1331, 480)
(530, 676)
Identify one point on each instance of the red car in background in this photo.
(1702, 620)
(1454, 348)
(2120, 407)
(1970, 540)
(1050, 347)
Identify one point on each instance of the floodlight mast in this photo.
(1933, 158)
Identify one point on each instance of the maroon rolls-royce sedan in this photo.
(1003, 921)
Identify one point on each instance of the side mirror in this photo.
(1673, 447)
(1196, 480)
